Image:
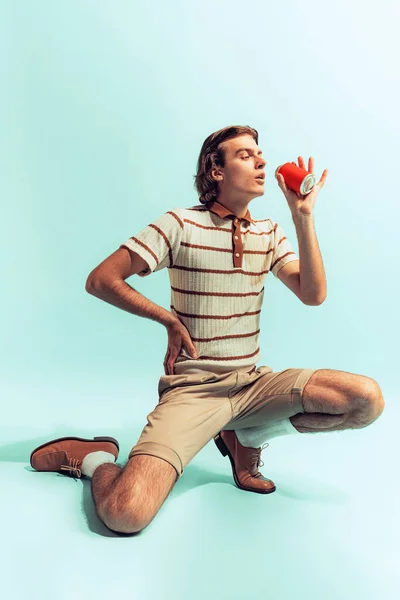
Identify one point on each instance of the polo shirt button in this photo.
(236, 237)
(236, 220)
(237, 254)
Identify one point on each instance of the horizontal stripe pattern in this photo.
(209, 227)
(217, 249)
(226, 337)
(158, 243)
(238, 357)
(220, 294)
(218, 303)
(237, 271)
(207, 316)
(166, 241)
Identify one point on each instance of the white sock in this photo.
(94, 460)
(254, 437)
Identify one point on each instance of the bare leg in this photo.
(317, 422)
(337, 400)
(128, 498)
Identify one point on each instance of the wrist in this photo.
(300, 219)
(170, 320)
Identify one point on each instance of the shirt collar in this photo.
(221, 210)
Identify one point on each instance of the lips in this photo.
(261, 176)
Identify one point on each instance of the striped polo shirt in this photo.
(217, 265)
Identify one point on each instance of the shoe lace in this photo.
(72, 468)
(257, 455)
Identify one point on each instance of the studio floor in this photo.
(331, 529)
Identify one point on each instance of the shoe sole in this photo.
(222, 447)
(61, 439)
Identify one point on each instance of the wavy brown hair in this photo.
(212, 155)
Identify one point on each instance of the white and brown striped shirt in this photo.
(217, 266)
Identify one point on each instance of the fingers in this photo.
(165, 362)
(302, 163)
(178, 338)
(281, 181)
(173, 353)
(169, 362)
(323, 177)
(190, 347)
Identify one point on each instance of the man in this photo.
(218, 258)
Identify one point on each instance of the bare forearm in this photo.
(123, 296)
(312, 272)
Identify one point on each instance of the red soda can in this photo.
(296, 178)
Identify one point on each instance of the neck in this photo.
(237, 207)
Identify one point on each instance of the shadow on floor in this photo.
(193, 477)
(300, 488)
(19, 452)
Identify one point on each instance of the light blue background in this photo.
(105, 106)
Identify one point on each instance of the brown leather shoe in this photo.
(245, 462)
(65, 455)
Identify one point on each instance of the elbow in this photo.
(315, 302)
(96, 284)
(92, 284)
(321, 299)
(89, 285)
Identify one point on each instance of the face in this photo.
(238, 177)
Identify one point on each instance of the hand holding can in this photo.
(297, 179)
(299, 187)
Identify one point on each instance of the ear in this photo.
(217, 174)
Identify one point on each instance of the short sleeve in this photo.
(283, 252)
(159, 242)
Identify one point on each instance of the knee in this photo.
(125, 517)
(375, 402)
(377, 399)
